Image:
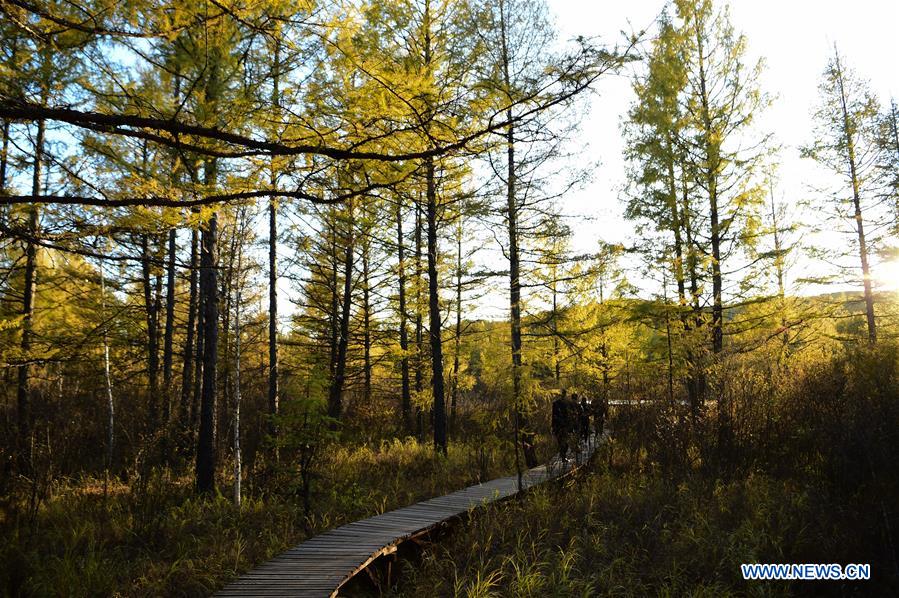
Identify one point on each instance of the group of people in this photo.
(571, 420)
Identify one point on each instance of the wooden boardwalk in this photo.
(321, 565)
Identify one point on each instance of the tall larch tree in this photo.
(722, 101)
(845, 143)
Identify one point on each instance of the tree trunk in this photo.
(107, 378)
(226, 373)
(678, 217)
(458, 333)
(4, 150)
(419, 324)
(335, 393)
(779, 268)
(894, 132)
(273, 390)
(188, 361)
(668, 340)
(167, 357)
(856, 203)
(691, 256)
(712, 160)
(717, 305)
(406, 398)
(151, 319)
(696, 381)
(676, 230)
(711, 147)
(333, 315)
(4, 155)
(366, 318)
(198, 356)
(526, 436)
(557, 360)
(207, 346)
(4, 161)
(28, 294)
(434, 328)
(205, 469)
(603, 348)
(236, 416)
(169, 333)
(273, 399)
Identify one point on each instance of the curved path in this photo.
(321, 565)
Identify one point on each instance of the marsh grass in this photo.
(809, 477)
(155, 537)
(623, 534)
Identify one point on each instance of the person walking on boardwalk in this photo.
(584, 420)
(599, 408)
(561, 424)
(575, 415)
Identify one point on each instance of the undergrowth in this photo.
(155, 537)
(809, 477)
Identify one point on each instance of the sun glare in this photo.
(886, 275)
